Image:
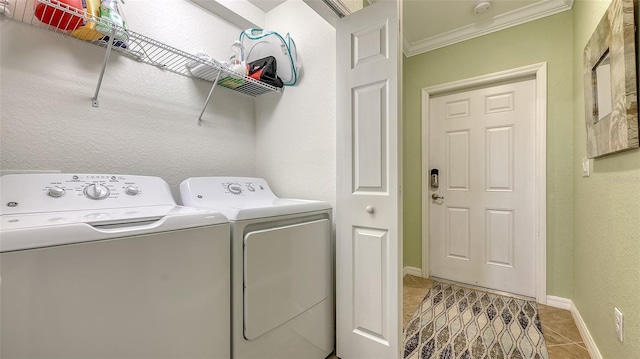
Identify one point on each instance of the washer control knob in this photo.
(132, 191)
(56, 192)
(96, 191)
(234, 188)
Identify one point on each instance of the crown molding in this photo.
(532, 12)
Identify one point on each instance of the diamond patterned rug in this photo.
(454, 322)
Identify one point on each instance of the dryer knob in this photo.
(234, 188)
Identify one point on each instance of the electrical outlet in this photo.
(619, 322)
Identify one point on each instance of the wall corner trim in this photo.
(564, 303)
(414, 271)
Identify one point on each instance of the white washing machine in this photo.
(282, 278)
(108, 266)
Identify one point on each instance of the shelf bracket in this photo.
(206, 103)
(112, 39)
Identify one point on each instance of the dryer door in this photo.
(286, 272)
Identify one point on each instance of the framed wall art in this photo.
(610, 82)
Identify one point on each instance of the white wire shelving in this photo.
(61, 18)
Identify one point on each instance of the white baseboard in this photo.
(586, 336)
(414, 271)
(559, 302)
(564, 303)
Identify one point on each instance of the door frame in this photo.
(539, 71)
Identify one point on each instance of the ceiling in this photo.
(432, 24)
(266, 5)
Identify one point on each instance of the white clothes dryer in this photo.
(108, 266)
(282, 277)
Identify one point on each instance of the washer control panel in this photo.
(32, 193)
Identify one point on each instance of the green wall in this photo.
(593, 223)
(546, 40)
(606, 220)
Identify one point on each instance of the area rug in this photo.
(454, 322)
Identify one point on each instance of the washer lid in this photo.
(26, 231)
(241, 198)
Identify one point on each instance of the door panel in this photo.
(482, 232)
(457, 160)
(499, 237)
(499, 155)
(458, 233)
(370, 248)
(368, 239)
(370, 138)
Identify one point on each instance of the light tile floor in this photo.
(560, 332)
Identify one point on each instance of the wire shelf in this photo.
(75, 23)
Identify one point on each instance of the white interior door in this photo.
(482, 143)
(368, 232)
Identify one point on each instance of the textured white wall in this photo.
(295, 131)
(146, 123)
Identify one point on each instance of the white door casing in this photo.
(499, 200)
(368, 230)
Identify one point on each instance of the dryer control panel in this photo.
(228, 188)
(34, 193)
(241, 198)
(252, 187)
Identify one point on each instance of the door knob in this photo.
(435, 197)
(369, 209)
